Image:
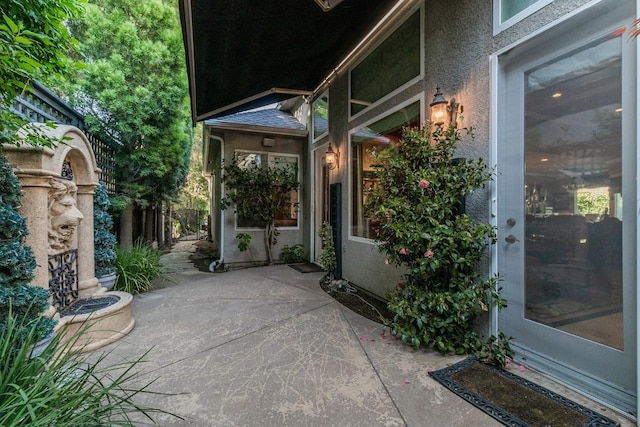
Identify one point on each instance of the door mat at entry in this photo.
(513, 400)
(306, 267)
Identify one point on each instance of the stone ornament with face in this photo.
(64, 215)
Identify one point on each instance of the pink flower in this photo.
(364, 339)
(423, 183)
(386, 262)
(522, 368)
(387, 214)
(403, 251)
(428, 253)
(407, 381)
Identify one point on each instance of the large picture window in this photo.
(393, 63)
(365, 142)
(285, 217)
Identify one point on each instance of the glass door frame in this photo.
(625, 400)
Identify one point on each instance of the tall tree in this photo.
(133, 88)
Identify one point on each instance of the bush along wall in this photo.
(18, 299)
(417, 204)
(103, 239)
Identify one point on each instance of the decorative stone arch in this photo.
(36, 167)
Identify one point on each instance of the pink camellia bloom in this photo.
(428, 253)
(423, 183)
(386, 262)
(403, 251)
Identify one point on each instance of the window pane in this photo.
(286, 216)
(320, 116)
(365, 143)
(573, 193)
(246, 160)
(510, 8)
(389, 66)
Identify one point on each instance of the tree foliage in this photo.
(133, 88)
(421, 228)
(34, 43)
(258, 193)
(18, 299)
(194, 193)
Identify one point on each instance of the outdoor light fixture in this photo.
(331, 158)
(441, 110)
(438, 108)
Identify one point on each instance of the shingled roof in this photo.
(271, 120)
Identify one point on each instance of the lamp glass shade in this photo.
(438, 113)
(330, 158)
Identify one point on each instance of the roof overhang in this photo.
(245, 54)
(269, 130)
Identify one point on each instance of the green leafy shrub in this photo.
(58, 388)
(104, 242)
(258, 193)
(328, 255)
(245, 241)
(137, 267)
(293, 253)
(417, 205)
(18, 299)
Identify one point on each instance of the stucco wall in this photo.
(458, 43)
(257, 251)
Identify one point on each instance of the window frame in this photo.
(269, 162)
(314, 137)
(499, 25)
(420, 99)
(409, 83)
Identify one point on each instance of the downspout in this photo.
(218, 184)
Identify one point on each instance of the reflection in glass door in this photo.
(566, 191)
(573, 193)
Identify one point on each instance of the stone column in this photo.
(34, 210)
(87, 281)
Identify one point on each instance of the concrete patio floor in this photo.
(267, 347)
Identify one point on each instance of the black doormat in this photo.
(513, 400)
(306, 267)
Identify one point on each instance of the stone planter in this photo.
(38, 348)
(107, 281)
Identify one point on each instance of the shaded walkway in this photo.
(267, 347)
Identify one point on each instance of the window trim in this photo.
(499, 26)
(420, 98)
(315, 138)
(420, 10)
(269, 160)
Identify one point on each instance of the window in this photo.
(320, 116)
(365, 142)
(285, 217)
(508, 12)
(393, 63)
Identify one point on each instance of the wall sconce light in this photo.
(331, 158)
(438, 108)
(441, 110)
(268, 142)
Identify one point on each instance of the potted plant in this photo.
(104, 241)
(19, 301)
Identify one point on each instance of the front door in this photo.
(566, 203)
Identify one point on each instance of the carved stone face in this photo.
(64, 216)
